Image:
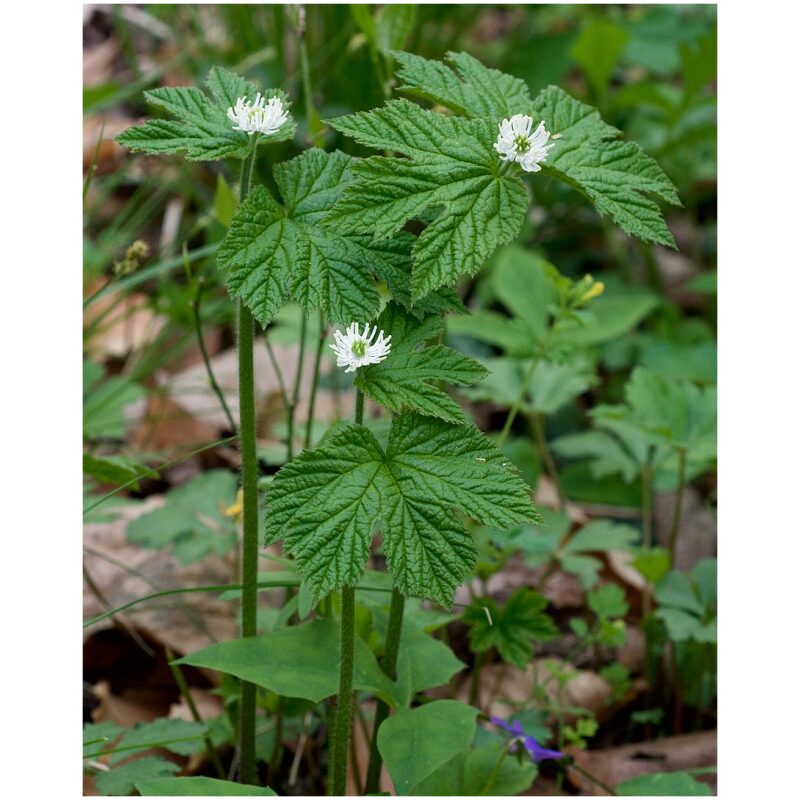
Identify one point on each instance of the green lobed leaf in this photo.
(98, 735)
(201, 128)
(608, 456)
(121, 780)
(414, 743)
(176, 735)
(328, 503)
(452, 167)
(274, 251)
(553, 385)
(199, 786)
(469, 88)
(618, 177)
(608, 600)
(663, 784)
(403, 382)
(192, 519)
(521, 620)
(601, 535)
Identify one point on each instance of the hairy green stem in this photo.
(183, 688)
(389, 667)
(676, 514)
(344, 702)
(247, 439)
(315, 382)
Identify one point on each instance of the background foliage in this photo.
(605, 401)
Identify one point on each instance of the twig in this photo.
(183, 688)
(198, 329)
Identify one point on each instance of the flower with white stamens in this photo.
(263, 116)
(515, 142)
(354, 349)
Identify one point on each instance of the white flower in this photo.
(263, 116)
(515, 142)
(354, 349)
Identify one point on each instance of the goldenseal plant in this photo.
(334, 238)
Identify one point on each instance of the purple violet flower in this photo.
(535, 750)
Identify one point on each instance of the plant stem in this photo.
(278, 373)
(514, 410)
(317, 361)
(247, 439)
(277, 747)
(344, 701)
(183, 688)
(647, 505)
(389, 667)
(475, 679)
(546, 455)
(489, 785)
(296, 391)
(676, 514)
(198, 327)
(588, 775)
(647, 525)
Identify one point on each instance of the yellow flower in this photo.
(237, 509)
(594, 291)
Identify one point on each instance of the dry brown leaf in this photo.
(504, 689)
(190, 388)
(617, 764)
(126, 709)
(98, 62)
(166, 424)
(129, 326)
(110, 154)
(183, 623)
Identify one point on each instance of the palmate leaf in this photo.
(451, 166)
(274, 251)
(403, 382)
(472, 90)
(616, 176)
(521, 620)
(201, 128)
(329, 502)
